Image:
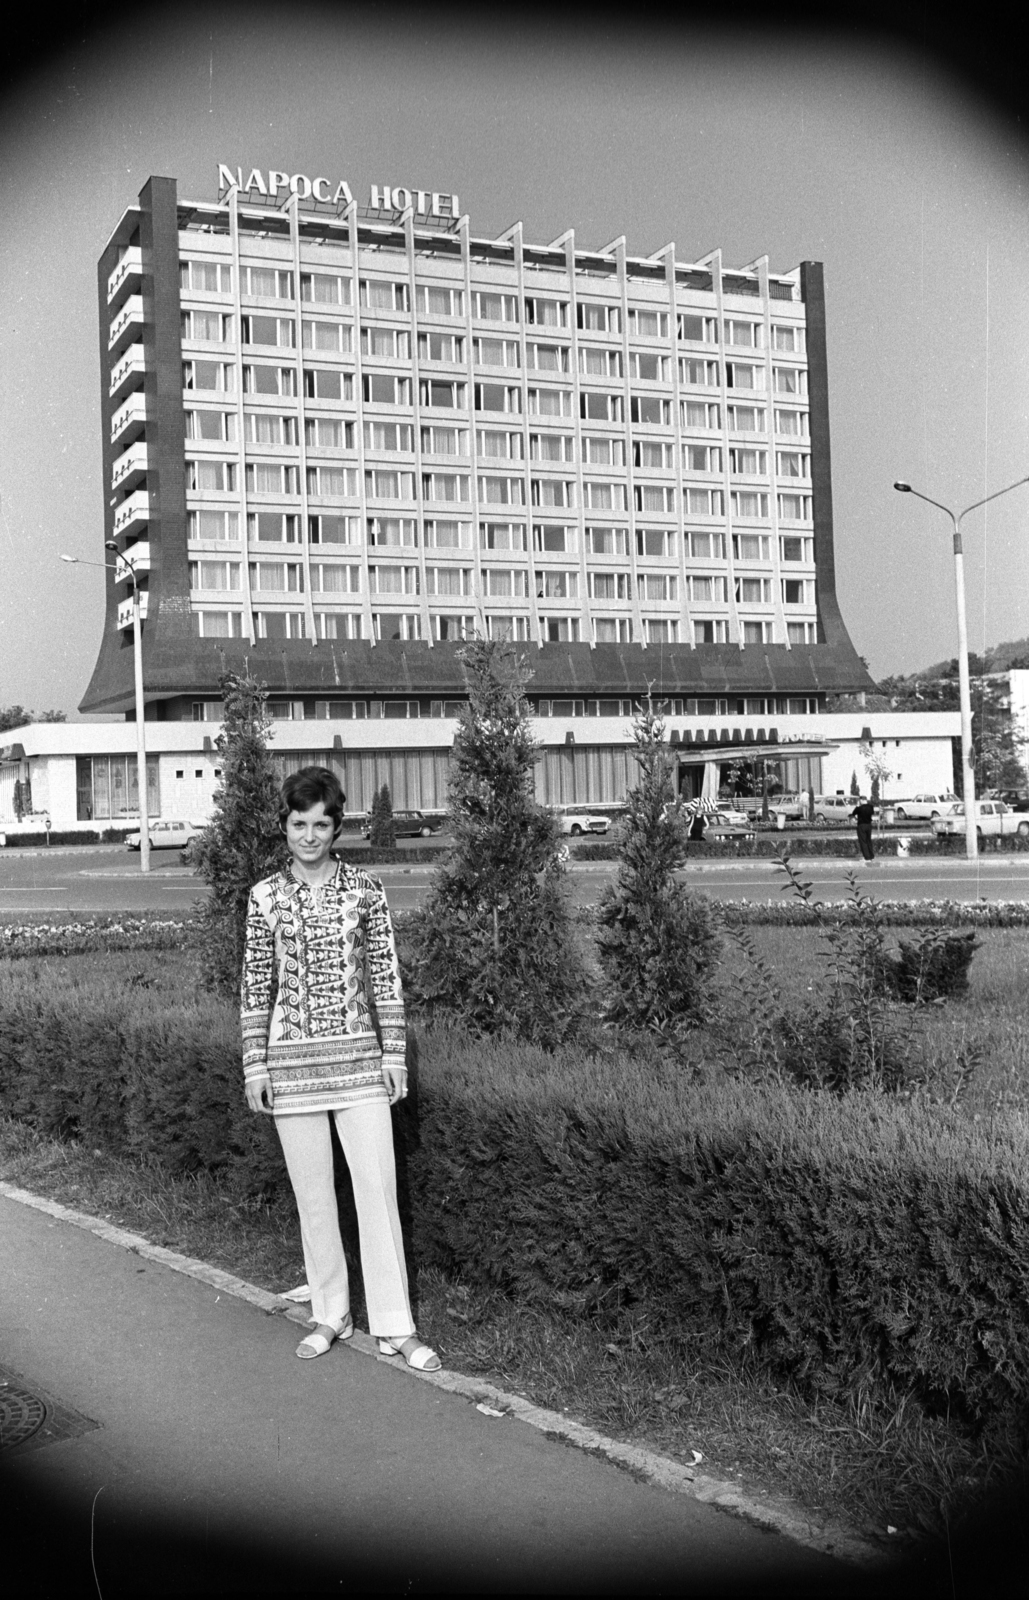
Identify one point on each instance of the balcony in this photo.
(137, 556)
(133, 514)
(129, 467)
(128, 323)
(129, 269)
(128, 371)
(130, 419)
(125, 610)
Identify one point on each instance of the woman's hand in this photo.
(395, 1079)
(260, 1096)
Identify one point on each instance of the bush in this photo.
(934, 967)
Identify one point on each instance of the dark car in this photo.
(412, 825)
(1014, 799)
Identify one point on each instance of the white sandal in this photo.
(415, 1353)
(323, 1338)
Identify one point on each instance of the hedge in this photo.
(767, 846)
(859, 1246)
(93, 836)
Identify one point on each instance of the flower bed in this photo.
(95, 933)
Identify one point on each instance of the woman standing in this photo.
(319, 960)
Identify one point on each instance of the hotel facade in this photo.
(339, 439)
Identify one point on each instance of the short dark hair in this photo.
(305, 788)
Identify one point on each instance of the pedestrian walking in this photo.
(864, 811)
(324, 1037)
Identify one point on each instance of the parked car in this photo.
(1013, 798)
(739, 819)
(411, 825)
(793, 806)
(835, 807)
(576, 820)
(925, 806)
(719, 826)
(992, 817)
(165, 835)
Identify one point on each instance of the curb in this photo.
(775, 1515)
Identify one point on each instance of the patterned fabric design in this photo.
(319, 971)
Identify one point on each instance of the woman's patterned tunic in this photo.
(317, 961)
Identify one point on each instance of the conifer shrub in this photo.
(382, 833)
(492, 944)
(933, 967)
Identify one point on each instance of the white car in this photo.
(166, 835)
(576, 820)
(991, 817)
(926, 806)
(835, 807)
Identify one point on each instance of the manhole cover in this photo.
(21, 1415)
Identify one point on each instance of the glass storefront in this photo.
(107, 788)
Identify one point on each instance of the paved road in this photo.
(223, 1465)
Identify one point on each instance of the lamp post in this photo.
(964, 690)
(137, 655)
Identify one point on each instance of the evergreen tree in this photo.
(492, 946)
(657, 942)
(382, 833)
(242, 843)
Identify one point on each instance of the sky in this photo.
(861, 148)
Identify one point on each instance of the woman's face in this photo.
(309, 835)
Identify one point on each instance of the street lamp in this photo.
(967, 761)
(137, 654)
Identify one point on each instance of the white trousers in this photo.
(366, 1135)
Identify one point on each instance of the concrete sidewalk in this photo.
(219, 1464)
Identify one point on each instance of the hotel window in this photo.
(701, 458)
(502, 536)
(322, 383)
(753, 591)
(282, 576)
(551, 447)
(792, 423)
(601, 452)
(701, 330)
(704, 502)
(446, 629)
(386, 344)
(205, 277)
(611, 630)
(217, 376)
(593, 318)
(701, 373)
(744, 375)
(789, 380)
(496, 397)
(751, 547)
(218, 625)
(496, 353)
(324, 289)
(498, 445)
(649, 368)
(269, 380)
(397, 436)
(792, 464)
(660, 630)
(382, 390)
(494, 307)
(396, 710)
(211, 327)
(553, 536)
(218, 526)
(710, 630)
(328, 433)
(444, 486)
(603, 407)
(550, 403)
(395, 625)
(785, 337)
(700, 414)
(273, 527)
(262, 428)
(603, 496)
(561, 708)
(547, 357)
(655, 497)
(752, 462)
(502, 491)
(341, 710)
(793, 548)
(609, 585)
(748, 503)
(266, 281)
(435, 300)
(382, 485)
(214, 574)
(323, 529)
(507, 583)
(708, 546)
(334, 336)
(448, 581)
(599, 363)
(801, 633)
(707, 590)
(268, 330)
(211, 477)
(333, 480)
(648, 324)
(440, 347)
(443, 534)
(757, 632)
(392, 530)
(553, 491)
(279, 624)
(333, 579)
(746, 419)
(210, 424)
(546, 313)
(512, 629)
(393, 580)
(560, 630)
(379, 295)
(655, 542)
(798, 592)
(653, 453)
(437, 441)
(607, 541)
(795, 507)
(748, 334)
